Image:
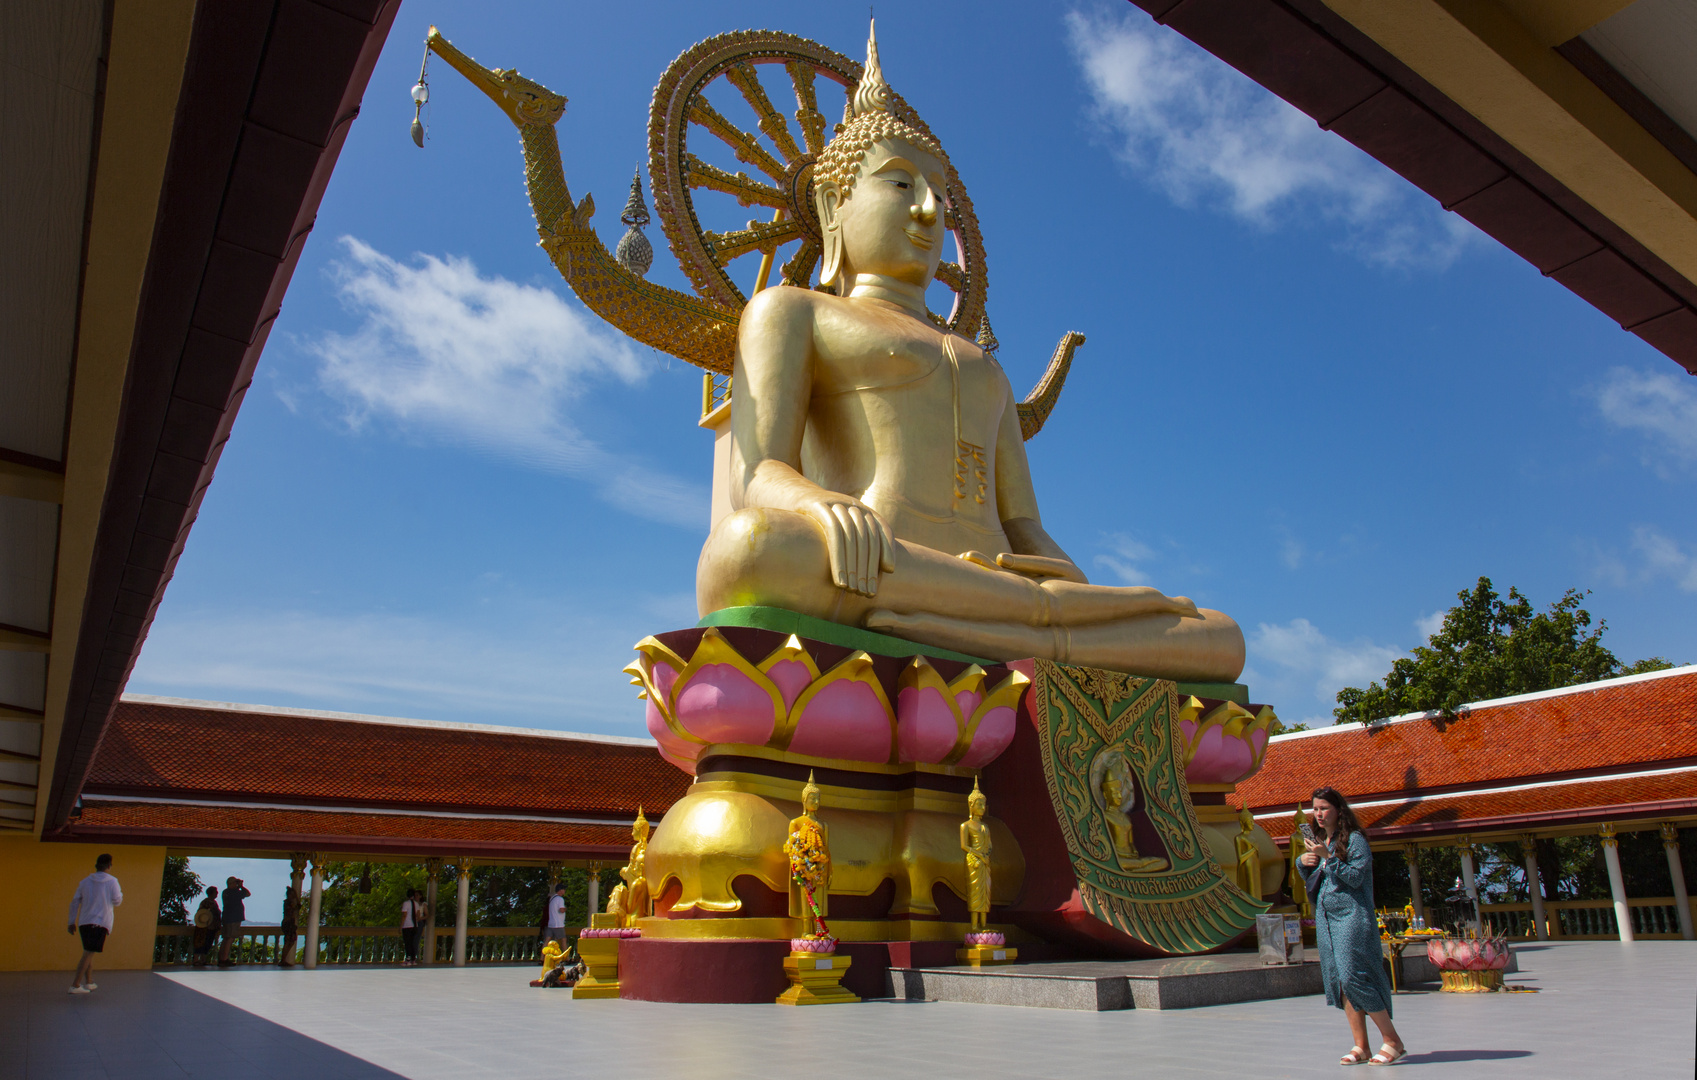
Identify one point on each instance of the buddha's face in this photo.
(809, 800)
(975, 805)
(1111, 790)
(891, 222)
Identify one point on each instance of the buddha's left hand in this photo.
(1032, 566)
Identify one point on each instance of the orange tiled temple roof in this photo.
(1616, 748)
(200, 751)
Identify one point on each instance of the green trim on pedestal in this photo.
(853, 637)
(849, 637)
(1229, 691)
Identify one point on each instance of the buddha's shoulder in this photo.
(786, 303)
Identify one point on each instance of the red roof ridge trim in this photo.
(392, 721)
(1491, 703)
(228, 804)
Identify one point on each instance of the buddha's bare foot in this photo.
(1073, 604)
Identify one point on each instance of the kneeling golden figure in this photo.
(878, 475)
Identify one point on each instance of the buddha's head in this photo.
(810, 795)
(639, 829)
(976, 803)
(880, 189)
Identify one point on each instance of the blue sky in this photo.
(1309, 398)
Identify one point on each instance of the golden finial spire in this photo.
(873, 93)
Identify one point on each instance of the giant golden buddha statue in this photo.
(880, 602)
(877, 469)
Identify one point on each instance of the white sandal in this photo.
(1355, 1056)
(1387, 1056)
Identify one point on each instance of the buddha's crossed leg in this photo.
(778, 558)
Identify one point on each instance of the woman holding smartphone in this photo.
(1338, 871)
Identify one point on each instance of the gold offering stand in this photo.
(816, 979)
(600, 955)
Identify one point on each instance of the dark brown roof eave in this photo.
(269, 92)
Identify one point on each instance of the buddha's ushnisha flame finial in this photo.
(873, 93)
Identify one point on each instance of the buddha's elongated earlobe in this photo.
(827, 201)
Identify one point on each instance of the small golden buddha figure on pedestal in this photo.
(629, 900)
(809, 851)
(975, 841)
(1248, 855)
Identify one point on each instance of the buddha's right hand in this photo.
(859, 542)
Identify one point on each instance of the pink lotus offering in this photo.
(1463, 954)
(820, 945)
(610, 932)
(987, 938)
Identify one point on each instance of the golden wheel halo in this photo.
(784, 162)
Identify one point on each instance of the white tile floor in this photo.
(1606, 1010)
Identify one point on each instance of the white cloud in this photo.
(1123, 559)
(1206, 134)
(532, 668)
(491, 364)
(1659, 405)
(1429, 625)
(1295, 667)
(1656, 557)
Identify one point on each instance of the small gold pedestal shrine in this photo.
(815, 979)
(986, 955)
(601, 956)
(1471, 982)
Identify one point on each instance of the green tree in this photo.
(179, 886)
(1490, 647)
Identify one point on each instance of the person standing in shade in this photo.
(1338, 871)
(91, 916)
(207, 924)
(234, 914)
(557, 915)
(413, 916)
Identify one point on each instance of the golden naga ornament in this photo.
(703, 330)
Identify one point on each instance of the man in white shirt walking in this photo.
(91, 916)
(557, 915)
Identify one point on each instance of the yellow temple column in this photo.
(432, 871)
(1411, 854)
(594, 893)
(314, 909)
(460, 915)
(1617, 883)
(1534, 888)
(1670, 843)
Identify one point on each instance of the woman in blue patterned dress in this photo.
(1339, 874)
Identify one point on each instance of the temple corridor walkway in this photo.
(1606, 1010)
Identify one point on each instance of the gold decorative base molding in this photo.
(816, 980)
(851, 930)
(1471, 982)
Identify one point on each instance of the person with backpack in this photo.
(207, 924)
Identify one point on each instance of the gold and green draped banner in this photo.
(1106, 736)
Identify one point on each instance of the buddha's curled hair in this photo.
(872, 122)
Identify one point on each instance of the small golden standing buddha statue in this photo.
(975, 841)
(802, 830)
(1248, 855)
